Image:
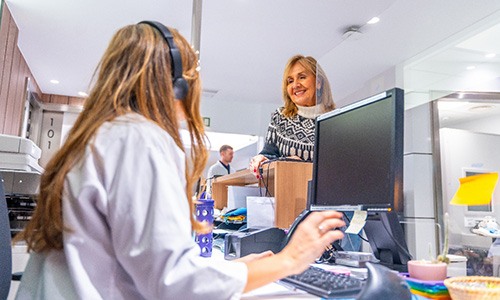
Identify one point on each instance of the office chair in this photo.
(5, 246)
(6, 274)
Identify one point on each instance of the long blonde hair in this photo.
(323, 94)
(134, 74)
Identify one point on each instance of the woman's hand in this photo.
(255, 164)
(308, 242)
(254, 256)
(311, 238)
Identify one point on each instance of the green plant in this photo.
(443, 257)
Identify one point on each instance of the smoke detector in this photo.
(352, 33)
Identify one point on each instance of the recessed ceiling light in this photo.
(373, 20)
(490, 55)
(471, 67)
(54, 81)
(482, 107)
(83, 94)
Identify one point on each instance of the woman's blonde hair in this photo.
(323, 94)
(134, 75)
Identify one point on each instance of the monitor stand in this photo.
(387, 240)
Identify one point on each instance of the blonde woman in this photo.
(306, 94)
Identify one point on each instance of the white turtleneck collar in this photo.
(310, 112)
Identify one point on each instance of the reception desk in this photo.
(287, 183)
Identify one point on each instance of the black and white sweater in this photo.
(291, 136)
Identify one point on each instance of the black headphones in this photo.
(180, 84)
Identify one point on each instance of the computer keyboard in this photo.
(325, 284)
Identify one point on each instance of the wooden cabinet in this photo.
(286, 181)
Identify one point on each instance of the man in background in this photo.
(222, 166)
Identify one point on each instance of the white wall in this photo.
(234, 117)
(390, 78)
(420, 215)
(241, 157)
(489, 125)
(240, 118)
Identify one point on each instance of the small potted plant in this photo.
(434, 269)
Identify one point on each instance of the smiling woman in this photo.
(306, 94)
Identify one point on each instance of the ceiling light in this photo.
(490, 55)
(471, 67)
(481, 107)
(54, 81)
(373, 20)
(83, 94)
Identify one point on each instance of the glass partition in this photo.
(469, 139)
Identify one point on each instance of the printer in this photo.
(19, 165)
(18, 153)
(20, 175)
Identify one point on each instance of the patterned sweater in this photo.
(291, 136)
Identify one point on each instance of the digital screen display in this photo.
(358, 159)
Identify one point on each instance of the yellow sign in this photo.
(475, 190)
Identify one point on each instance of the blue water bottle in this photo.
(204, 210)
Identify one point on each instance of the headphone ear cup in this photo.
(180, 88)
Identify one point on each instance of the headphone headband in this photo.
(180, 85)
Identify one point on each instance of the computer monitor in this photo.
(358, 156)
(358, 165)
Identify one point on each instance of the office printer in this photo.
(17, 153)
(19, 165)
(252, 240)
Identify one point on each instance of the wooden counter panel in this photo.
(286, 181)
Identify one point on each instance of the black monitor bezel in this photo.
(397, 140)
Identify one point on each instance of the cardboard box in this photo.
(237, 195)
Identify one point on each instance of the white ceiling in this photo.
(244, 43)
(459, 110)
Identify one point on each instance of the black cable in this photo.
(396, 241)
(361, 237)
(261, 176)
(349, 222)
(267, 183)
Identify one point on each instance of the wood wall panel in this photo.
(76, 101)
(12, 104)
(8, 62)
(13, 74)
(61, 99)
(4, 31)
(19, 92)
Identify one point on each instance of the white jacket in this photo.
(130, 237)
